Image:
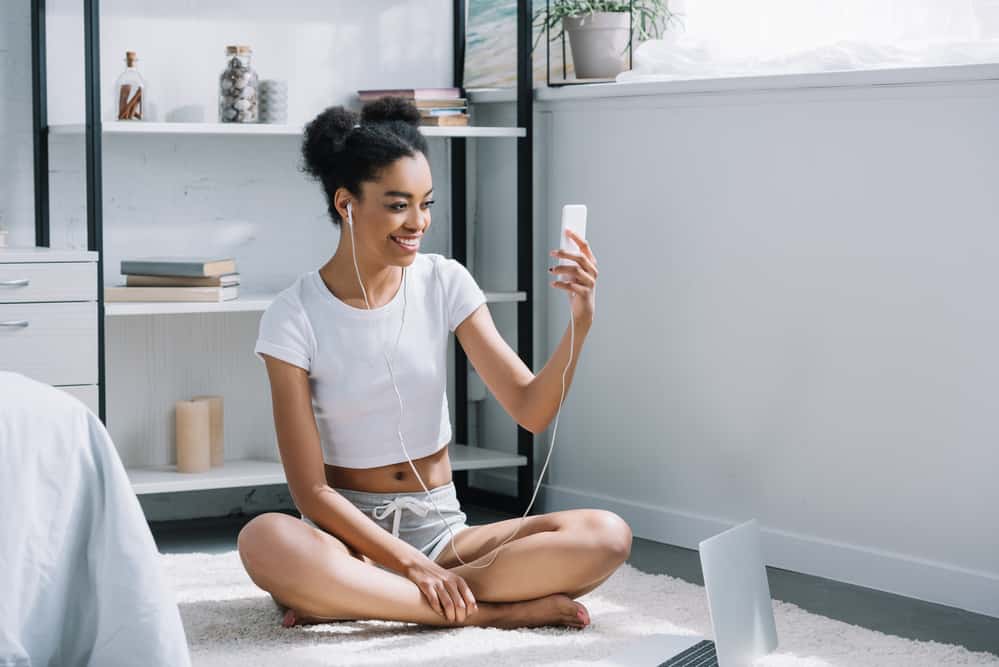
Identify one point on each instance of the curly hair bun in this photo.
(386, 109)
(324, 137)
(342, 149)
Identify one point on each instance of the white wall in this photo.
(795, 322)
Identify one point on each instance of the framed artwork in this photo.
(491, 45)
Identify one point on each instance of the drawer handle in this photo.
(23, 282)
(15, 324)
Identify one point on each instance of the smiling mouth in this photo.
(408, 243)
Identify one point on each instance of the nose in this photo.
(420, 222)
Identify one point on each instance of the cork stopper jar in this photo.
(129, 90)
(238, 87)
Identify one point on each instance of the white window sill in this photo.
(853, 78)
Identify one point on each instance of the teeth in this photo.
(410, 243)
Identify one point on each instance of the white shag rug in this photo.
(229, 621)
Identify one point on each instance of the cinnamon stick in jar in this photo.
(133, 111)
(123, 101)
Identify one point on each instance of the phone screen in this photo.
(574, 218)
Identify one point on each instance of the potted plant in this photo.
(598, 30)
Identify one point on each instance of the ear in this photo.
(341, 199)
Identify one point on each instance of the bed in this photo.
(80, 577)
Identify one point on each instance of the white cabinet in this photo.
(48, 318)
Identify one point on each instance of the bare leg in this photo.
(568, 552)
(316, 575)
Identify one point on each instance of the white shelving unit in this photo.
(142, 347)
(144, 127)
(260, 472)
(243, 304)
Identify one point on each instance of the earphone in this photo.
(572, 344)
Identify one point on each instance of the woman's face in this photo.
(394, 212)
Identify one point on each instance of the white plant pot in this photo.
(599, 43)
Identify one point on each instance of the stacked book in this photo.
(176, 279)
(442, 107)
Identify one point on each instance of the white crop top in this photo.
(343, 349)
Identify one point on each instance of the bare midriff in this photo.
(435, 470)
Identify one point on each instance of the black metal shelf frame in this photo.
(459, 238)
(525, 257)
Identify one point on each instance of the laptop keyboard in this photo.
(701, 654)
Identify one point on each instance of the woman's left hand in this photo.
(582, 279)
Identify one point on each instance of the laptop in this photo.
(739, 603)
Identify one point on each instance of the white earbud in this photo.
(350, 215)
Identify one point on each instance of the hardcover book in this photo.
(411, 93)
(178, 266)
(135, 280)
(445, 121)
(454, 103)
(200, 294)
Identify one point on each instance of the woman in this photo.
(326, 340)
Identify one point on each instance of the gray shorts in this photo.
(411, 517)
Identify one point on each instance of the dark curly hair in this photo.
(341, 149)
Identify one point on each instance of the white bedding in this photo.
(80, 577)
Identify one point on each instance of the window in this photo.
(742, 37)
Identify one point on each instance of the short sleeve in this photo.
(462, 295)
(285, 333)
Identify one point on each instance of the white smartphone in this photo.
(574, 218)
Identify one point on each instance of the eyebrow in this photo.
(407, 195)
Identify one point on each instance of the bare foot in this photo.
(555, 609)
(292, 618)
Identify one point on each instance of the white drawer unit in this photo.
(55, 343)
(53, 281)
(48, 318)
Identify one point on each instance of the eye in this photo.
(429, 203)
(398, 206)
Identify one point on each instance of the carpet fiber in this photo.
(229, 621)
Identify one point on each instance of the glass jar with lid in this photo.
(130, 91)
(238, 87)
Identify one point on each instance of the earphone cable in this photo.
(572, 345)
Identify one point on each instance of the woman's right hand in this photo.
(446, 592)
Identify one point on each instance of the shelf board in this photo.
(473, 131)
(464, 457)
(260, 472)
(233, 473)
(503, 297)
(143, 127)
(248, 303)
(242, 304)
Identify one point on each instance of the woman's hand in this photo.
(582, 278)
(446, 592)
